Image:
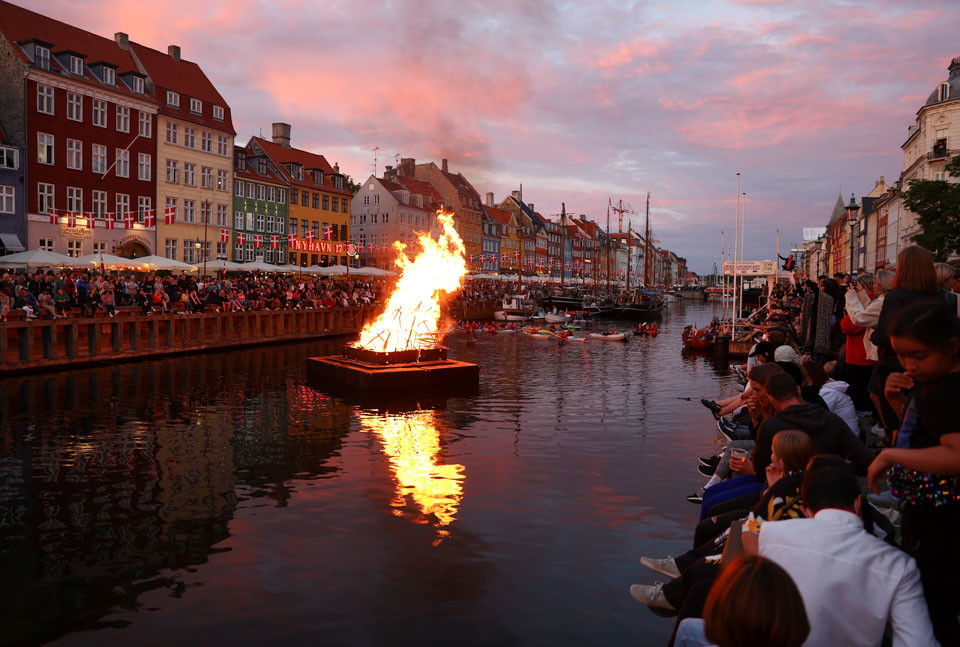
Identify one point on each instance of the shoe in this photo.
(726, 429)
(696, 497)
(667, 565)
(710, 461)
(707, 470)
(652, 596)
(738, 371)
(715, 408)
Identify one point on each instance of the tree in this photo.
(352, 185)
(937, 205)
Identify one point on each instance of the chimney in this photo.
(530, 204)
(443, 164)
(954, 67)
(515, 194)
(122, 40)
(408, 167)
(174, 52)
(281, 134)
(489, 198)
(336, 167)
(388, 172)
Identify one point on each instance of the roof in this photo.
(419, 187)
(252, 171)
(280, 154)
(19, 25)
(499, 216)
(187, 79)
(953, 81)
(838, 211)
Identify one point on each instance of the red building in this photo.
(80, 103)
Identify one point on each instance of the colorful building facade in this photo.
(259, 210)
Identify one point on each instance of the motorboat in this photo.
(518, 307)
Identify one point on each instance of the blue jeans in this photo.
(726, 490)
(690, 633)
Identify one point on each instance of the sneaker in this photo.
(738, 371)
(652, 596)
(710, 461)
(696, 497)
(707, 470)
(713, 406)
(667, 565)
(727, 429)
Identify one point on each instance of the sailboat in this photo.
(642, 303)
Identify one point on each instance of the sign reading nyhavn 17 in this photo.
(320, 246)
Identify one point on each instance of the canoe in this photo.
(614, 337)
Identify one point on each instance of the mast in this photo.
(629, 236)
(563, 240)
(608, 247)
(522, 245)
(736, 235)
(743, 228)
(647, 260)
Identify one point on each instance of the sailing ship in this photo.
(642, 302)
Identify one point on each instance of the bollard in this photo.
(721, 347)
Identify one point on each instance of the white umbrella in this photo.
(258, 266)
(372, 271)
(336, 269)
(38, 258)
(161, 263)
(313, 269)
(109, 261)
(222, 265)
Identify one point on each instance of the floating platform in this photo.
(431, 377)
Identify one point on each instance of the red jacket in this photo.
(856, 353)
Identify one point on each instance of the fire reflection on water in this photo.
(411, 442)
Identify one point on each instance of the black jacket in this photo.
(829, 432)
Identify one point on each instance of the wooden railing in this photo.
(65, 343)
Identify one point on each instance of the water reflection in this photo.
(411, 442)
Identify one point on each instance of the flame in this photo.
(412, 316)
(412, 445)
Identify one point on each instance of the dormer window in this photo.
(943, 92)
(41, 57)
(318, 177)
(138, 84)
(76, 65)
(218, 113)
(196, 106)
(173, 99)
(241, 161)
(262, 166)
(295, 170)
(338, 182)
(109, 76)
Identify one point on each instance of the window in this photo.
(41, 57)
(146, 125)
(218, 113)
(279, 225)
(190, 174)
(222, 215)
(109, 76)
(315, 228)
(74, 106)
(260, 218)
(75, 248)
(335, 204)
(318, 177)
(99, 247)
(376, 199)
(221, 249)
(44, 148)
(282, 196)
(326, 201)
(144, 204)
(293, 226)
(99, 158)
(189, 211)
(138, 84)
(238, 189)
(144, 166)
(196, 107)
(7, 195)
(249, 251)
(46, 244)
(99, 203)
(190, 137)
(205, 212)
(222, 180)
(222, 145)
(206, 142)
(271, 223)
(44, 99)
(75, 154)
(249, 226)
(74, 199)
(338, 182)
(170, 248)
(9, 158)
(294, 196)
(76, 65)
(44, 197)
(943, 92)
(123, 119)
(206, 177)
(261, 192)
(173, 171)
(173, 99)
(366, 200)
(271, 194)
(123, 163)
(99, 113)
(171, 133)
(238, 220)
(123, 205)
(250, 189)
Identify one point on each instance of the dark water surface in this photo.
(218, 499)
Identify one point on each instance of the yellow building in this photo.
(458, 194)
(194, 157)
(319, 204)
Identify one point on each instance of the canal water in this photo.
(220, 499)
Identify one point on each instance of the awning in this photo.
(11, 243)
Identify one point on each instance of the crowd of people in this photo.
(57, 294)
(832, 514)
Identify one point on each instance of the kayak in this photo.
(614, 337)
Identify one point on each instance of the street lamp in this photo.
(852, 210)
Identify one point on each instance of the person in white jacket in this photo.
(863, 305)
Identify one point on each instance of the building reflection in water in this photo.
(411, 442)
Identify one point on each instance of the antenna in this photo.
(375, 150)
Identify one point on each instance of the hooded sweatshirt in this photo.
(834, 393)
(829, 432)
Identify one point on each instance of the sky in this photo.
(581, 102)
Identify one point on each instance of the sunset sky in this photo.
(580, 101)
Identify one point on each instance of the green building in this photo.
(259, 210)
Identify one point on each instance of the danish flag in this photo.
(309, 235)
(89, 221)
(241, 238)
(567, 266)
(257, 240)
(516, 256)
(539, 263)
(471, 259)
(150, 218)
(327, 232)
(54, 217)
(71, 219)
(274, 242)
(108, 223)
(359, 247)
(169, 215)
(224, 236)
(291, 238)
(128, 219)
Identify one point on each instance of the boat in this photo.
(515, 308)
(716, 293)
(539, 315)
(697, 340)
(610, 336)
(556, 317)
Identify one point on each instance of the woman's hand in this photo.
(743, 467)
(880, 466)
(773, 474)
